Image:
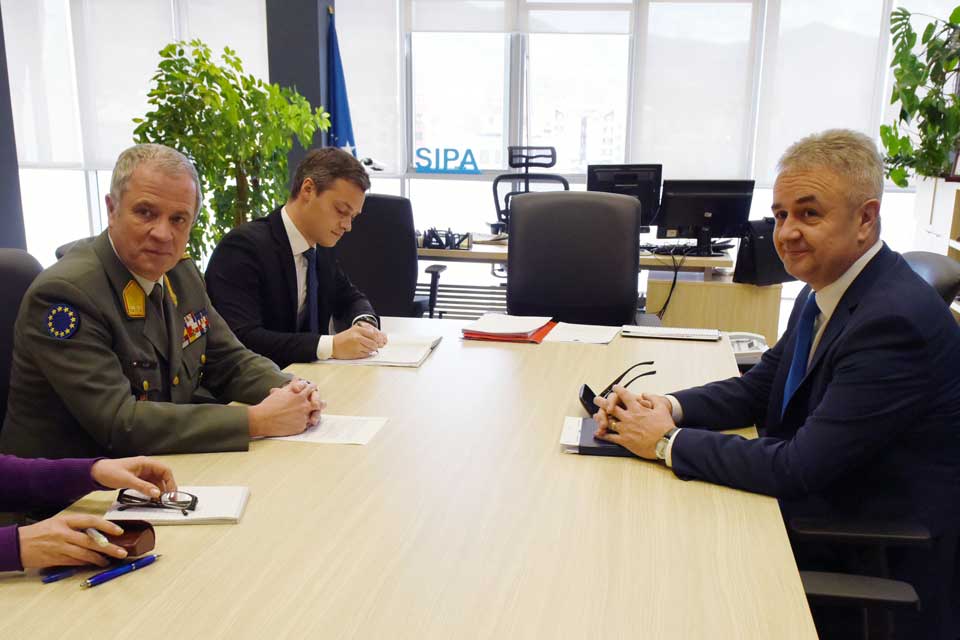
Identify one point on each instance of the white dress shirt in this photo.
(299, 245)
(827, 300)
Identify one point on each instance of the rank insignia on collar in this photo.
(195, 324)
(134, 300)
(62, 321)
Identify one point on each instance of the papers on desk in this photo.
(584, 333)
(339, 430)
(401, 351)
(500, 327)
(489, 238)
(215, 505)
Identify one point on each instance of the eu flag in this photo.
(341, 128)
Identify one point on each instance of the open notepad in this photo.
(215, 505)
(400, 351)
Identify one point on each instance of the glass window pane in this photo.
(696, 90)
(47, 226)
(114, 67)
(586, 119)
(385, 186)
(370, 62)
(458, 95)
(461, 205)
(819, 73)
(42, 87)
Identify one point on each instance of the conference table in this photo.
(462, 518)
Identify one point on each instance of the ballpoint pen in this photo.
(116, 572)
(60, 575)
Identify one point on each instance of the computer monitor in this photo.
(642, 181)
(704, 209)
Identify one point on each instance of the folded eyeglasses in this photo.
(587, 396)
(177, 500)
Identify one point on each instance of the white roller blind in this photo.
(368, 33)
(42, 84)
(491, 16)
(238, 24)
(559, 20)
(695, 92)
(820, 72)
(117, 44)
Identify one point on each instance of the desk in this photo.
(497, 254)
(461, 519)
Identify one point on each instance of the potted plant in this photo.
(923, 139)
(235, 128)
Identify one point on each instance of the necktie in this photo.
(313, 322)
(801, 350)
(156, 297)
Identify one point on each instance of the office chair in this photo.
(64, 248)
(574, 256)
(17, 270)
(521, 158)
(878, 594)
(380, 257)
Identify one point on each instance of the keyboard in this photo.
(670, 333)
(681, 249)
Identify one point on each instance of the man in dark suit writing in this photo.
(276, 280)
(857, 405)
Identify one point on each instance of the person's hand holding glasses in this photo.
(176, 500)
(588, 397)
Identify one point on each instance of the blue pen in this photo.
(110, 574)
(60, 575)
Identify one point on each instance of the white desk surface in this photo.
(461, 519)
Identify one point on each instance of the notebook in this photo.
(577, 437)
(400, 351)
(215, 505)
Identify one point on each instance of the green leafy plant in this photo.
(923, 139)
(235, 128)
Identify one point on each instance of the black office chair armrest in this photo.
(824, 587)
(864, 532)
(434, 270)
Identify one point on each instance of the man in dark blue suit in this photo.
(858, 404)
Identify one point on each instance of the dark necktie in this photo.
(313, 322)
(156, 297)
(801, 350)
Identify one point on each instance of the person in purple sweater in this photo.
(60, 540)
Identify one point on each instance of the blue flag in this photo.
(341, 128)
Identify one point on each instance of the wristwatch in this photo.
(662, 443)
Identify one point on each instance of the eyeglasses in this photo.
(616, 381)
(177, 500)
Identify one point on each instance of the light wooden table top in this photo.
(497, 253)
(460, 519)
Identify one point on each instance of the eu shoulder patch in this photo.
(62, 321)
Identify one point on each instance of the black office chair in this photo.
(380, 257)
(574, 256)
(523, 158)
(17, 270)
(64, 248)
(878, 596)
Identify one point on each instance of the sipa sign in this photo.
(446, 161)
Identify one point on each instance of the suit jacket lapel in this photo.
(287, 266)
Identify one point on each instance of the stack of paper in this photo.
(215, 505)
(584, 333)
(400, 351)
(496, 326)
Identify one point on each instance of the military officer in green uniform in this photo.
(111, 342)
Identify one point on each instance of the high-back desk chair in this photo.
(574, 256)
(380, 257)
(17, 271)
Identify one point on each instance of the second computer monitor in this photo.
(641, 181)
(704, 209)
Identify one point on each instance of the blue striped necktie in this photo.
(801, 350)
(313, 322)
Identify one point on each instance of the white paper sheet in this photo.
(570, 435)
(400, 351)
(497, 323)
(339, 430)
(215, 505)
(585, 333)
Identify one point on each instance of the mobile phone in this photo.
(586, 399)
